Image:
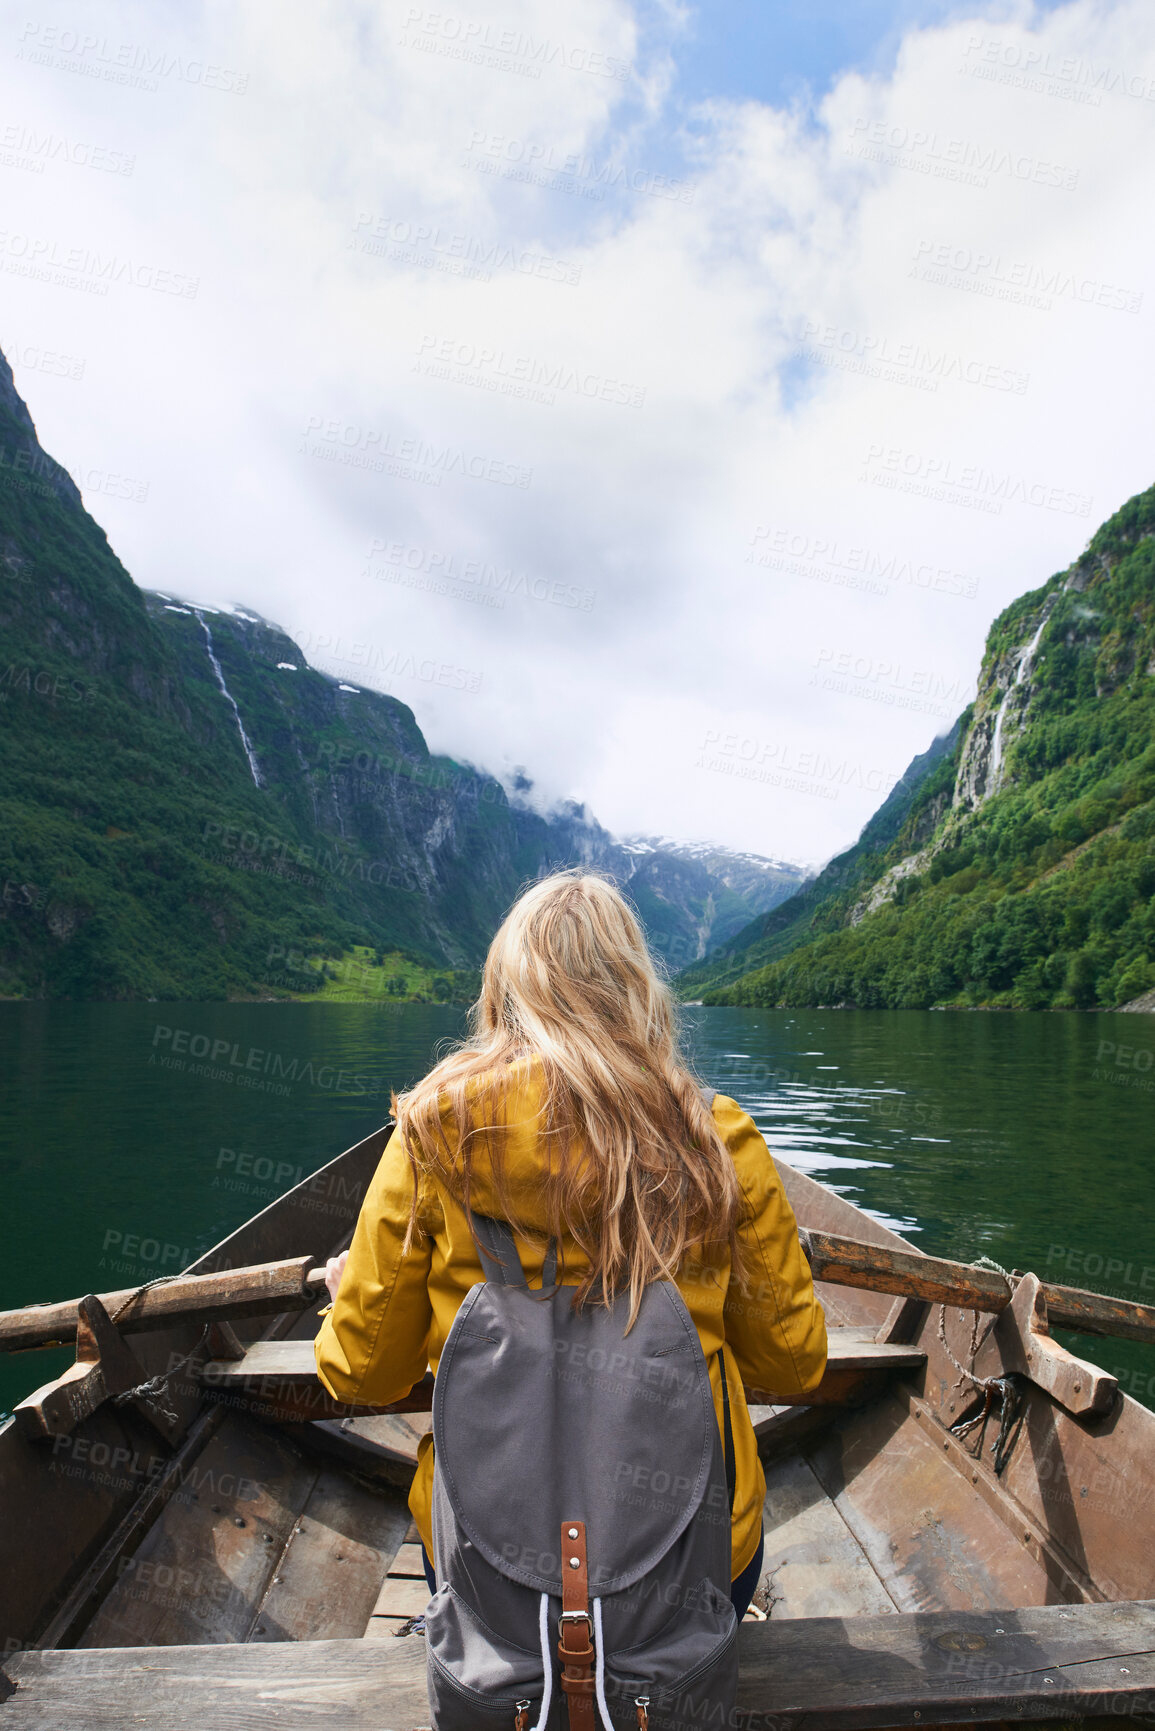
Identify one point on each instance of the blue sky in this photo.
(779, 52)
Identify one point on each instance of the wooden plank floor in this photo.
(264, 1543)
(271, 1543)
(821, 1674)
(202, 1569)
(813, 1565)
(875, 1515)
(932, 1542)
(330, 1574)
(404, 1593)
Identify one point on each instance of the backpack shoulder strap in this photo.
(499, 1258)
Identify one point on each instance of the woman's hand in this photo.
(334, 1269)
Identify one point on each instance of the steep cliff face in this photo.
(27, 469)
(184, 800)
(63, 592)
(1027, 880)
(999, 715)
(352, 765)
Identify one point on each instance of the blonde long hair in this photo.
(635, 1170)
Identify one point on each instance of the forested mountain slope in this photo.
(911, 808)
(1022, 870)
(187, 809)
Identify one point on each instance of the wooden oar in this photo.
(907, 1274)
(270, 1287)
(265, 1289)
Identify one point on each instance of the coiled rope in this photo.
(156, 1386)
(1012, 1408)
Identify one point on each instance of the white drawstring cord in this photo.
(600, 1667)
(546, 1664)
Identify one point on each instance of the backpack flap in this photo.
(542, 1415)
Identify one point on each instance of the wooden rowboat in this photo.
(193, 1533)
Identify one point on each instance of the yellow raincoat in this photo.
(393, 1311)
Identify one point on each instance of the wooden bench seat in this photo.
(278, 1378)
(835, 1674)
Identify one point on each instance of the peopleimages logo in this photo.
(1030, 67)
(879, 680)
(46, 259)
(827, 559)
(969, 484)
(960, 159)
(222, 1059)
(485, 43)
(531, 161)
(380, 450)
(1007, 278)
(492, 369)
(129, 63)
(779, 765)
(326, 652)
(401, 560)
(902, 362)
(24, 147)
(58, 687)
(395, 237)
(41, 360)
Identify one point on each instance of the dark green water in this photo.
(134, 1136)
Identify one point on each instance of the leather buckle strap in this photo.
(576, 1647)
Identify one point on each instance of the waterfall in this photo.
(249, 753)
(1026, 656)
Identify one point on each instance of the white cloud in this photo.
(402, 233)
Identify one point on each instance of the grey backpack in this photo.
(581, 1514)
